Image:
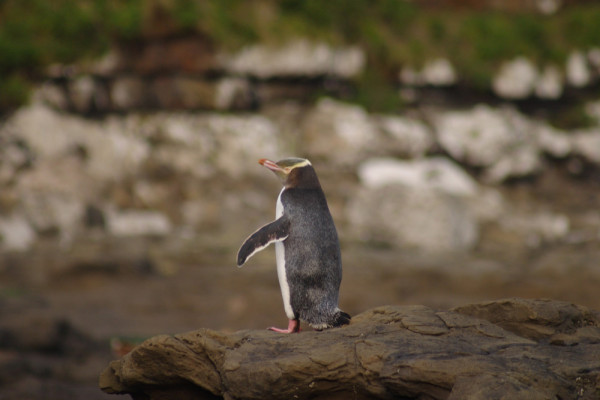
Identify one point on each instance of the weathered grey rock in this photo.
(587, 143)
(245, 139)
(516, 79)
(344, 127)
(577, 70)
(519, 162)
(439, 72)
(594, 58)
(553, 141)
(412, 217)
(111, 149)
(16, 234)
(537, 228)
(436, 173)
(502, 141)
(51, 94)
(592, 109)
(410, 76)
(436, 72)
(81, 92)
(137, 223)
(129, 92)
(505, 349)
(550, 83)
(233, 93)
(298, 58)
(405, 137)
(548, 7)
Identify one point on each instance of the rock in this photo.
(344, 127)
(129, 92)
(405, 137)
(553, 141)
(578, 72)
(410, 76)
(516, 79)
(51, 94)
(436, 173)
(520, 162)
(81, 93)
(594, 57)
(513, 348)
(298, 58)
(241, 141)
(548, 7)
(16, 233)
(549, 84)
(592, 109)
(137, 223)
(537, 228)
(587, 143)
(439, 72)
(412, 217)
(477, 137)
(501, 141)
(233, 94)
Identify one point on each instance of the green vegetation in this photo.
(36, 33)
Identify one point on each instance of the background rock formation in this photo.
(514, 348)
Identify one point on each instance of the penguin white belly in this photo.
(280, 257)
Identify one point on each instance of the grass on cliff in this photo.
(36, 33)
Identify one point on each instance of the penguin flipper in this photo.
(275, 231)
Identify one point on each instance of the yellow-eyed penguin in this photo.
(309, 264)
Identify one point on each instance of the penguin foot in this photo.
(293, 327)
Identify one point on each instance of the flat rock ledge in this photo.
(505, 349)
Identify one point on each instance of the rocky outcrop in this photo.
(506, 349)
(165, 173)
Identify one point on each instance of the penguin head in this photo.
(293, 172)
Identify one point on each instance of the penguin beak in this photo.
(280, 172)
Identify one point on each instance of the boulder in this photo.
(138, 223)
(578, 72)
(403, 136)
(129, 92)
(16, 233)
(501, 141)
(437, 72)
(436, 173)
(429, 204)
(412, 217)
(298, 58)
(587, 143)
(344, 127)
(516, 79)
(550, 83)
(505, 349)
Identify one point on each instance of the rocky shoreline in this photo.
(512, 348)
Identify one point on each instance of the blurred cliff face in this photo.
(173, 173)
(144, 135)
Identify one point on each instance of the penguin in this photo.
(307, 248)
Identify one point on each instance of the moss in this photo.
(14, 91)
